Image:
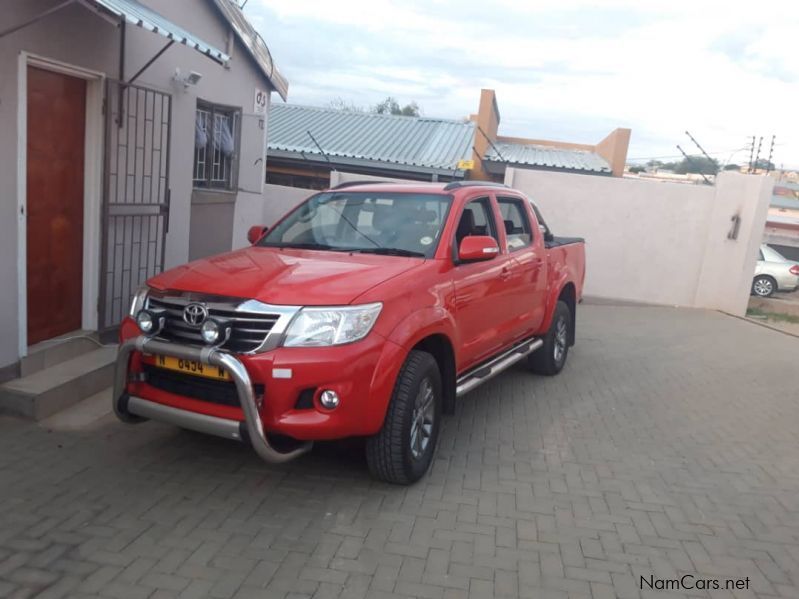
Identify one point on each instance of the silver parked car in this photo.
(774, 272)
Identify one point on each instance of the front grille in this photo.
(218, 392)
(249, 329)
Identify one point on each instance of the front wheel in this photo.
(550, 358)
(763, 286)
(402, 451)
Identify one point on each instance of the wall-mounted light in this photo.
(193, 78)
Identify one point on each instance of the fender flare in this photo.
(415, 327)
(552, 299)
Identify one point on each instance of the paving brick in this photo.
(662, 449)
(168, 582)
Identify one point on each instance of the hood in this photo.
(285, 276)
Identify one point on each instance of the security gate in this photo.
(136, 194)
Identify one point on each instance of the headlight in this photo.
(331, 326)
(139, 299)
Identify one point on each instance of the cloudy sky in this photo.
(571, 70)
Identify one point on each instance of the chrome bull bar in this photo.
(136, 409)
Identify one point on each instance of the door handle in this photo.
(505, 273)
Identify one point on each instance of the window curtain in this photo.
(223, 136)
(200, 131)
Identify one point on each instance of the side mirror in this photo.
(255, 233)
(477, 247)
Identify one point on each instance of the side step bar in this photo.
(489, 370)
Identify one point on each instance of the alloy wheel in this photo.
(763, 287)
(561, 339)
(422, 419)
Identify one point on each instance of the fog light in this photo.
(210, 332)
(329, 399)
(145, 321)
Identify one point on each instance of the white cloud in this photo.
(572, 70)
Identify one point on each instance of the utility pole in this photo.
(770, 154)
(757, 155)
(688, 159)
(751, 154)
(701, 149)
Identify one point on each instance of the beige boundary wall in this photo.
(277, 200)
(655, 242)
(646, 241)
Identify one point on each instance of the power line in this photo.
(680, 155)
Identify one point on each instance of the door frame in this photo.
(92, 188)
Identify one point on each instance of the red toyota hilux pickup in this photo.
(365, 312)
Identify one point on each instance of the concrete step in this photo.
(57, 350)
(52, 389)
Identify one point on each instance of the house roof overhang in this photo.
(310, 160)
(255, 45)
(135, 13)
(131, 11)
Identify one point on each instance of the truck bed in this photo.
(559, 241)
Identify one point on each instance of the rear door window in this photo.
(518, 231)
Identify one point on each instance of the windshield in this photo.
(406, 224)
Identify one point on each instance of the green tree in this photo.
(732, 167)
(659, 165)
(340, 103)
(762, 163)
(637, 168)
(391, 106)
(698, 165)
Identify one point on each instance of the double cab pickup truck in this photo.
(366, 311)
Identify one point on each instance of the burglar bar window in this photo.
(216, 143)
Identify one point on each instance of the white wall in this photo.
(655, 242)
(729, 264)
(338, 177)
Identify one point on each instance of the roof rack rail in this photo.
(356, 183)
(459, 184)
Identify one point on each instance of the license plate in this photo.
(192, 367)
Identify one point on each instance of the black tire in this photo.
(764, 286)
(389, 453)
(550, 358)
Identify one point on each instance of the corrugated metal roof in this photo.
(545, 156)
(777, 219)
(779, 201)
(410, 141)
(255, 45)
(138, 14)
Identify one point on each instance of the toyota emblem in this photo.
(195, 314)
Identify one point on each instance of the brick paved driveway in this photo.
(669, 445)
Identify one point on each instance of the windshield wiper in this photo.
(390, 252)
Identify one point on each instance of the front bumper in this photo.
(132, 408)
